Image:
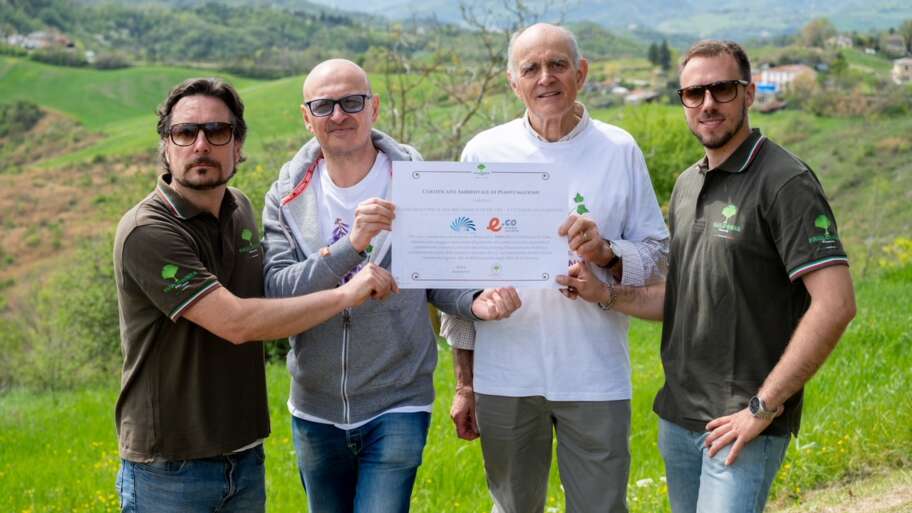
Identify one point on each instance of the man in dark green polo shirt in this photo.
(757, 294)
(192, 411)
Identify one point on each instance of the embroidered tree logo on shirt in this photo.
(726, 228)
(824, 223)
(250, 248)
(580, 204)
(729, 212)
(169, 272)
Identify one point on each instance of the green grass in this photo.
(58, 452)
(95, 98)
(871, 63)
(121, 103)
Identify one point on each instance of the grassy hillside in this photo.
(121, 104)
(97, 99)
(867, 376)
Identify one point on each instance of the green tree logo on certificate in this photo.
(580, 204)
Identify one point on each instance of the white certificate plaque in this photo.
(478, 225)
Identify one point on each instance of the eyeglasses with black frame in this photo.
(217, 133)
(352, 104)
(722, 92)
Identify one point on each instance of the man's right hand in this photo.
(581, 282)
(463, 414)
(371, 217)
(372, 281)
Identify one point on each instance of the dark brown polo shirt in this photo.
(741, 237)
(186, 393)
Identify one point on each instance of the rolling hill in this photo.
(739, 19)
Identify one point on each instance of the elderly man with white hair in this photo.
(559, 365)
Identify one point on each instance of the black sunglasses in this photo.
(217, 133)
(352, 104)
(722, 92)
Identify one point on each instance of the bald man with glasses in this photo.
(362, 382)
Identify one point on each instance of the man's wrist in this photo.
(344, 296)
(609, 296)
(355, 245)
(761, 409)
(612, 258)
(605, 254)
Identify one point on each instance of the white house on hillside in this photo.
(902, 70)
(779, 78)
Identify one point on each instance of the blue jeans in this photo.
(698, 483)
(235, 483)
(370, 469)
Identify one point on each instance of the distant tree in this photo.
(654, 54)
(18, 117)
(817, 31)
(665, 56)
(111, 61)
(839, 65)
(58, 57)
(905, 30)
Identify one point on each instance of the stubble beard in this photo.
(721, 140)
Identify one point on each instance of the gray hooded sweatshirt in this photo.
(368, 359)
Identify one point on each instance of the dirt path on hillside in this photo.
(888, 493)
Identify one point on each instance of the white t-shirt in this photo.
(336, 205)
(552, 346)
(336, 213)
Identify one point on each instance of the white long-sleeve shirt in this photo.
(552, 346)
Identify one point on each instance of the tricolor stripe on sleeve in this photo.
(179, 309)
(803, 269)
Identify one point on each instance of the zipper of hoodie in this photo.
(346, 329)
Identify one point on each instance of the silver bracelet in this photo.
(612, 296)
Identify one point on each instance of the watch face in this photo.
(754, 405)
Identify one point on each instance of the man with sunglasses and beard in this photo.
(362, 382)
(192, 412)
(757, 295)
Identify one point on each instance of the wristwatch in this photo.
(615, 258)
(758, 409)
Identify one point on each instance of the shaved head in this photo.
(342, 135)
(543, 34)
(335, 71)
